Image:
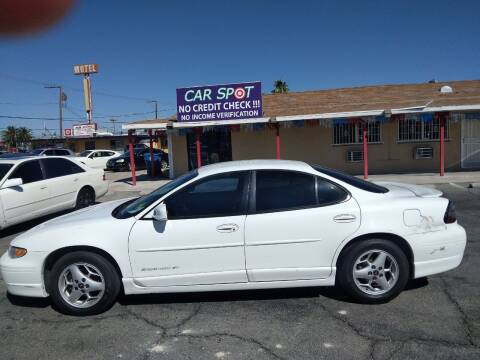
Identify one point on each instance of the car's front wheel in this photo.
(83, 283)
(373, 271)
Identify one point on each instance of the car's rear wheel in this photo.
(373, 271)
(85, 198)
(83, 283)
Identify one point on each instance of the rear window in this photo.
(352, 180)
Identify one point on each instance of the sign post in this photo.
(86, 70)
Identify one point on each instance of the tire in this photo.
(85, 198)
(376, 280)
(94, 272)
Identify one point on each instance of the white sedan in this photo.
(32, 187)
(97, 158)
(240, 225)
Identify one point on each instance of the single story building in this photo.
(427, 127)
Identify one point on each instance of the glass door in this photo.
(216, 146)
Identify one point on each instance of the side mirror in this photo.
(9, 183)
(160, 213)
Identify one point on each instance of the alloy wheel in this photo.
(81, 285)
(375, 272)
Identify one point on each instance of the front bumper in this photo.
(438, 251)
(23, 277)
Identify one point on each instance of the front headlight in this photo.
(16, 252)
(120, 160)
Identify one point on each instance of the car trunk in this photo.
(399, 189)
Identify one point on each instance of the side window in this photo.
(29, 172)
(60, 167)
(215, 196)
(49, 152)
(284, 190)
(329, 193)
(62, 152)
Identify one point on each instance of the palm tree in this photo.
(279, 86)
(9, 135)
(24, 135)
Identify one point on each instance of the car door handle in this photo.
(227, 228)
(76, 179)
(43, 187)
(344, 218)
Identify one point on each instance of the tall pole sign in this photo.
(86, 70)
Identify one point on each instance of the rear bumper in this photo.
(101, 189)
(23, 277)
(438, 251)
(116, 166)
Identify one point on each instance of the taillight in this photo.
(450, 215)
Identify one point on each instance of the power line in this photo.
(101, 93)
(27, 104)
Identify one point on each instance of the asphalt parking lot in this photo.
(436, 318)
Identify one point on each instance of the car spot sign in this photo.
(220, 102)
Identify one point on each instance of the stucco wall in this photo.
(178, 146)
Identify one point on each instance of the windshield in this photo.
(352, 180)
(132, 208)
(85, 153)
(4, 169)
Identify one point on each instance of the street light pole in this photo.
(113, 121)
(156, 107)
(60, 106)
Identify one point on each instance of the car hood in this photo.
(87, 221)
(398, 189)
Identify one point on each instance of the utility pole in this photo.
(61, 98)
(113, 121)
(156, 107)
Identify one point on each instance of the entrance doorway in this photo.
(471, 143)
(216, 146)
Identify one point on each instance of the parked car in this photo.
(51, 152)
(97, 158)
(122, 162)
(32, 187)
(240, 225)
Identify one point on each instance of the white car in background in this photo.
(240, 225)
(97, 159)
(32, 187)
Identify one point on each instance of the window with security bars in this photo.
(417, 130)
(353, 134)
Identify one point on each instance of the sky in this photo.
(146, 49)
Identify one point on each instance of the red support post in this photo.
(442, 145)
(365, 150)
(132, 157)
(277, 141)
(198, 134)
(152, 160)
